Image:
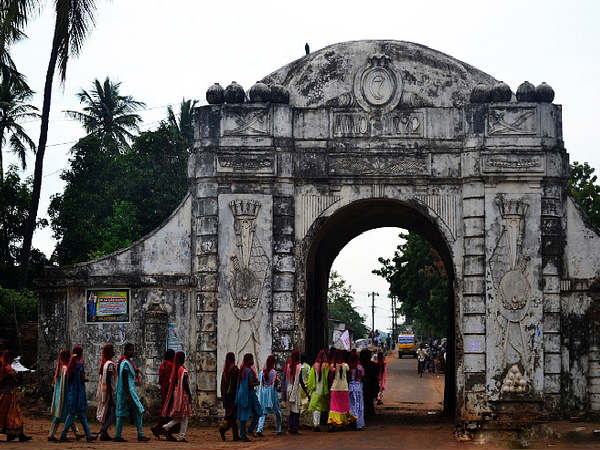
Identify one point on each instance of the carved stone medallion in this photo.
(377, 86)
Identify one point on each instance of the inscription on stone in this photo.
(396, 124)
(510, 163)
(264, 164)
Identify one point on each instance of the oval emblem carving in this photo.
(377, 86)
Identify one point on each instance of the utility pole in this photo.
(373, 294)
(394, 325)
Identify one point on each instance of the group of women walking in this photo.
(338, 391)
(116, 397)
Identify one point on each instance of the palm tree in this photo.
(74, 20)
(107, 114)
(183, 123)
(14, 15)
(13, 108)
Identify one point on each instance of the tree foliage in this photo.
(585, 191)
(182, 123)
(108, 115)
(74, 21)
(113, 198)
(14, 95)
(340, 300)
(15, 195)
(418, 278)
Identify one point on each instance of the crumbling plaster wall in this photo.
(580, 301)
(156, 269)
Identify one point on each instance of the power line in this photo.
(75, 120)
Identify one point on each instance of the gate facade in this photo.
(356, 136)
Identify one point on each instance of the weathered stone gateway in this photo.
(353, 137)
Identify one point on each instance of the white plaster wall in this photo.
(164, 251)
(582, 251)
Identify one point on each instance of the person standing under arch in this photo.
(370, 382)
(355, 390)
(340, 416)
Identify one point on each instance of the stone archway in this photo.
(363, 123)
(328, 235)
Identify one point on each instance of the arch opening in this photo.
(329, 235)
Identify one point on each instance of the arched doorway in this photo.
(329, 235)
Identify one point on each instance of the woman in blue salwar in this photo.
(246, 398)
(267, 395)
(76, 400)
(128, 402)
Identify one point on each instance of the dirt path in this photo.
(385, 433)
(406, 391)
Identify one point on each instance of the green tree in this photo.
(13, 109)
(14, 15)
(73, 21)
(15, 196)
(112, 199)
(107, 114)
(183, 122)
(16, 307)
(585, 191)
(418, 278)
(340, 305)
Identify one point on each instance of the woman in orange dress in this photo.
(11, 419)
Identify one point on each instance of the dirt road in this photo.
(386, 432)
(407, 392)
(403, 422)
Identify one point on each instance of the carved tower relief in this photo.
(244, 276)
(513, 300)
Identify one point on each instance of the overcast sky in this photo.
(164, 51)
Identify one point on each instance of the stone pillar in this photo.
(155, 342)
(552, 250)
(474, 310)
(205, 268)
(284, 332)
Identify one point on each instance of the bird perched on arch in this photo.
(307, 48)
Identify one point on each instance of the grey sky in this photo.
(163, 51)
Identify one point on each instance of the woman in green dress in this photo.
(318, 388)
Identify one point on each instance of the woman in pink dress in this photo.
(340, 416)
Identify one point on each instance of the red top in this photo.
(164, 377)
